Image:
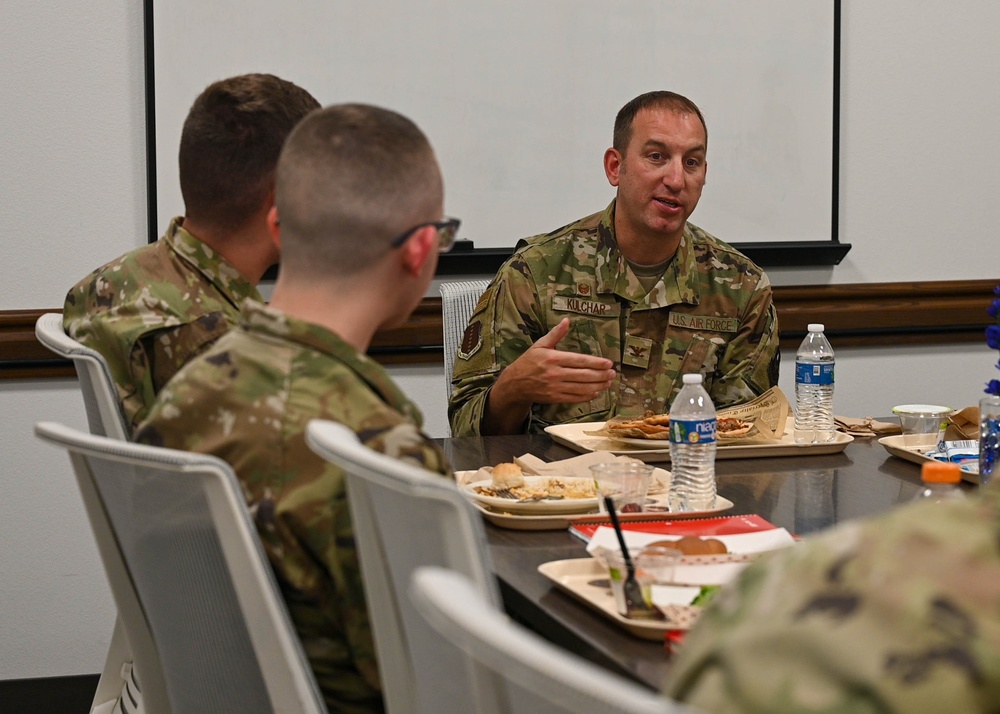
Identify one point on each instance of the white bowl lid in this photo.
(921, 409)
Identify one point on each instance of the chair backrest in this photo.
(100, 397)
(458, 300)
(405, 517)
(193, 586)
(516, 670)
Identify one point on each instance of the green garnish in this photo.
(706, 593)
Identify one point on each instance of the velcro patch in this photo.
(637, 351)
(708, 323)
(472, 340)
(563, 303)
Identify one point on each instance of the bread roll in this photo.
(693, 545)
(507, 475)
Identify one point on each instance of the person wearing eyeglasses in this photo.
(601, 318)
(360, 198)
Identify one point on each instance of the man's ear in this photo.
(418, 248)
(612, 165)
(274, 226)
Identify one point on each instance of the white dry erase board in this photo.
(519, 97)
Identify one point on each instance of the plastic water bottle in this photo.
(814, 388)
(692, 448)
(941, 481)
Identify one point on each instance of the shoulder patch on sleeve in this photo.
(472, 340)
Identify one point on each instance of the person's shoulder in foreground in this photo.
(350, 266)
(899, 613)
(151, 310)
(601, 317)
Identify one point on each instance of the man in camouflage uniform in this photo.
(603, 316)
(360, 196)
(151, 310)
(899, 613)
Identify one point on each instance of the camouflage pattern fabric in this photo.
(151, 310)
(248, 400)
(896, 614)
(710, 312)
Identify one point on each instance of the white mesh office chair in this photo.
(119, 679)
(405, 517)
(458, 300)
(193, 586)
(516, 671)
(100, 397)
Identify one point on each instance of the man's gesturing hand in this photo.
(546, 375)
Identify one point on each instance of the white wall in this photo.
(917, 182)
(73, 188)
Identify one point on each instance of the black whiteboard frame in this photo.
(466, 259)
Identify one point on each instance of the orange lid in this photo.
(940, 472)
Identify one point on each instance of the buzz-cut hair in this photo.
(352, 177)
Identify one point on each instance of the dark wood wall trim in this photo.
(855, 315)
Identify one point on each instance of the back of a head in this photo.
(230, 144)
(350, 179)
(660, 99)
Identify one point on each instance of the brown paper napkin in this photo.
(579, 466)
(963, 424)
(576, 466)
(865, 426)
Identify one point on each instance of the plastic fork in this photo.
(635, 603)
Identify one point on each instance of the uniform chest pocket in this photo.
(702, 356)
(596, 336)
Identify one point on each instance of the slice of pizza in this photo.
(651, 426)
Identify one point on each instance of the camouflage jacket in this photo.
(710, 312)
(248, 400)
(895, 614)
(154, 308)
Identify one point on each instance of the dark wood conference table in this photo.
(801, 493)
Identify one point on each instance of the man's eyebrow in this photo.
(654, 144)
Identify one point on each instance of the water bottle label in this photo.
(807, 373)
(699, 431)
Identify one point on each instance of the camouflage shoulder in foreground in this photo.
(151, 310)
(710, 312)
(896, 614)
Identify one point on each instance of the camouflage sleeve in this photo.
(749, 365)
(894, 615)
(404, 441)
(504, 324)
(91, 328)
(165, 351)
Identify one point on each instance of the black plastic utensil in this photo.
(635, 604)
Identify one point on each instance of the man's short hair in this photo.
(230, 145)
(651, 100)
(350, 179)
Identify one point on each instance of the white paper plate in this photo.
(543, 507)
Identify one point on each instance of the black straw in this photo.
(610, 505)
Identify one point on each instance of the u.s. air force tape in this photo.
(709, 323)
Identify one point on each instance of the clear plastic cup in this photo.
(627, 482)
(654, 565)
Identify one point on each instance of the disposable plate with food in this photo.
(539, 495)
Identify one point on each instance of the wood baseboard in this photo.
(855, 315)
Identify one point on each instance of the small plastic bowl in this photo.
(922, 424)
